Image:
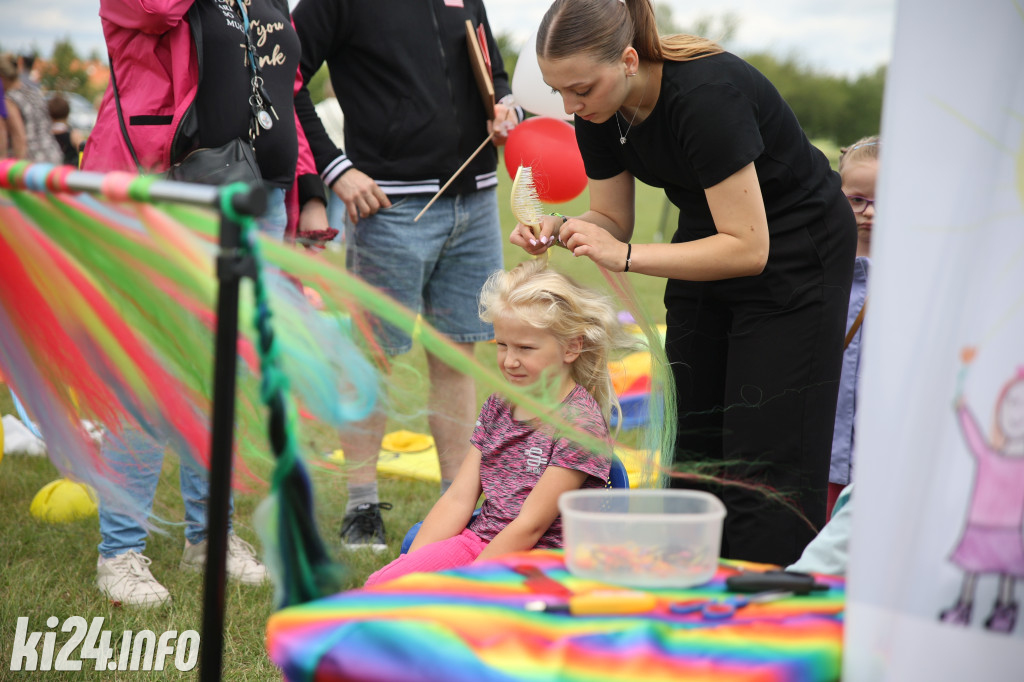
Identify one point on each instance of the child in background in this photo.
(858, 168)
(554, 339)
(829, 552)
(67, 139)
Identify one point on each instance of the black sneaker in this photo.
(363, 527)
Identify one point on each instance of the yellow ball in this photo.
(63, 500)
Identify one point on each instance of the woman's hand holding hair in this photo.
(536, 242)
(596, 243)
(603, 230)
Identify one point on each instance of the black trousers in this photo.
(756, 363)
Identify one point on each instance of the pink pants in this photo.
(461, 550)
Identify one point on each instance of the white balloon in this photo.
(528, 86)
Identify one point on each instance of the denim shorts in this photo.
(435, 266)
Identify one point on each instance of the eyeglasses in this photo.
(859, 204)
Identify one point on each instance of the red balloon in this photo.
(547, 145)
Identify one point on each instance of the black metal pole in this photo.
(231, 267)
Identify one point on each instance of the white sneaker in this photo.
(126, 579)
(242, 564)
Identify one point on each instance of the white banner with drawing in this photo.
(938, 534)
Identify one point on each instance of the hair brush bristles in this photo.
(526, 206)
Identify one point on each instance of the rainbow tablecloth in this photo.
(469, 624)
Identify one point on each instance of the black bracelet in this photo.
(629, 254)
(559, 215)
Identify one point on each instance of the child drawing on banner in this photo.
(992, 541)
(554, 339)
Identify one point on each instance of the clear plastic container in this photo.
(642, 538)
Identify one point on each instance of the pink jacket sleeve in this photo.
(306, 164)
(147, 16)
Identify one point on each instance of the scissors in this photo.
(720, 609)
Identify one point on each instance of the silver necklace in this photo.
(622, 135)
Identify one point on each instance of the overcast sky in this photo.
(839, 36)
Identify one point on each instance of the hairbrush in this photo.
(526, 206)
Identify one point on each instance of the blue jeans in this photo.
(139, 459)
(337, 215)
(435, 266)
(274, 221)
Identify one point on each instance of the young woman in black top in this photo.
(758, 271)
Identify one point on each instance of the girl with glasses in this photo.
(858, 169)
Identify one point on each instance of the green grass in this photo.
(49, 570)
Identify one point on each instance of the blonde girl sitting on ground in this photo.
(554, 339)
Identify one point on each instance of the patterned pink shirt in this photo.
(516, 453)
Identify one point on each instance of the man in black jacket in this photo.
(413, 114)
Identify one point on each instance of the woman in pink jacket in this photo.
(182, 79)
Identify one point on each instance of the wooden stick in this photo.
(455, 175)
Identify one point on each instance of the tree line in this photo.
(828, 107)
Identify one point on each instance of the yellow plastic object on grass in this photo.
(407, 441)
(407, 454)
(64, 500)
